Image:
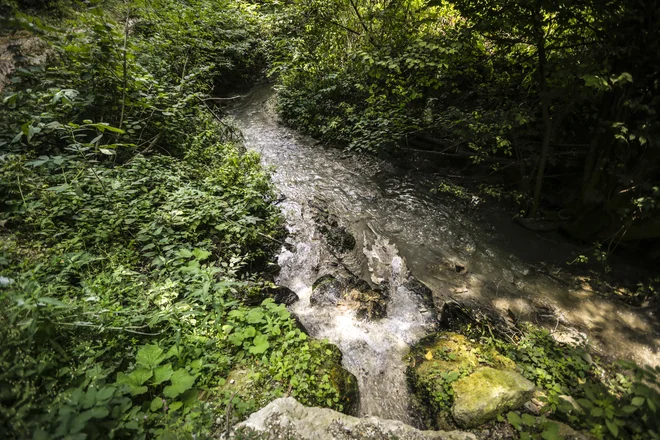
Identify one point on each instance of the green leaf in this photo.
(585, 403)
(249, 332)
(529, 419)
(149, 356)
(551, 432)
(105, 394)
(612, 427)
(89, 400)
(156, 404)
(100, 412)
(236, 338)
(597, 412)
(162, 373)
(176, 405)
(184, 253)
(514, 419)
(260, 344)
(135, 380)
(102, 126)
(638, 401)
(182, 381)
(255, 316)
(201, 254)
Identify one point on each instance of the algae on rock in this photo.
(486, 393)
(254, 384)
(441, 361)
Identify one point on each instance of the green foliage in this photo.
(438, 388)
(629, 411)
(505, 87)
(533, 427)
(132, 225)
(613, 403)
(554, 368)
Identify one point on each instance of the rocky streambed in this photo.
(374, 259)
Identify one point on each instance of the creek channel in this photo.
(404, 233)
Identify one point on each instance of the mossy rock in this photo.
(343, 381)
(321, 381)
(438, 362)
(486, 393)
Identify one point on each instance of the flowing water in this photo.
(403, 230)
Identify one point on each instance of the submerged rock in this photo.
(336, 236)
(369, 303)
(486, 393)
(326, 291)
(285, 418)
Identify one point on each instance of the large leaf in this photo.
(135, 380)
(260, 345)
(162, 373)
(255, 316)
(182, 381)
(150, 356)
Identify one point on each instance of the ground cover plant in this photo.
(132, 225)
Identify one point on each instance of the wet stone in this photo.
(283, 295)
(326, 291)
(421, 291)
(369, 303)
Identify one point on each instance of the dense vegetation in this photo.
(554, 102)
(137, 235)
(135, 231)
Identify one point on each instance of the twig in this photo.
(218, 118)
(228, 413)
(125, 80)
(185, 63)
(21, 191)
(149, 147)
(101, 327)
(222, 99)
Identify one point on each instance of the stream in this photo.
(404, 233)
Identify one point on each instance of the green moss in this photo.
(438, 361)
(487, 393)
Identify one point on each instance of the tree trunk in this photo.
(547, 122)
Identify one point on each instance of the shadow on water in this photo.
(459, 251)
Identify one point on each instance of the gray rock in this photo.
(326, 291)
(486, 393)
(283, 295)
(285, 418)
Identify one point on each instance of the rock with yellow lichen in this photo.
(458, 382)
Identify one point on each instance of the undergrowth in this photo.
(132, 223)
(617, 401)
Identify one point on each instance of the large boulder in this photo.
(437, 363)
(285, 418)
(486, 393)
